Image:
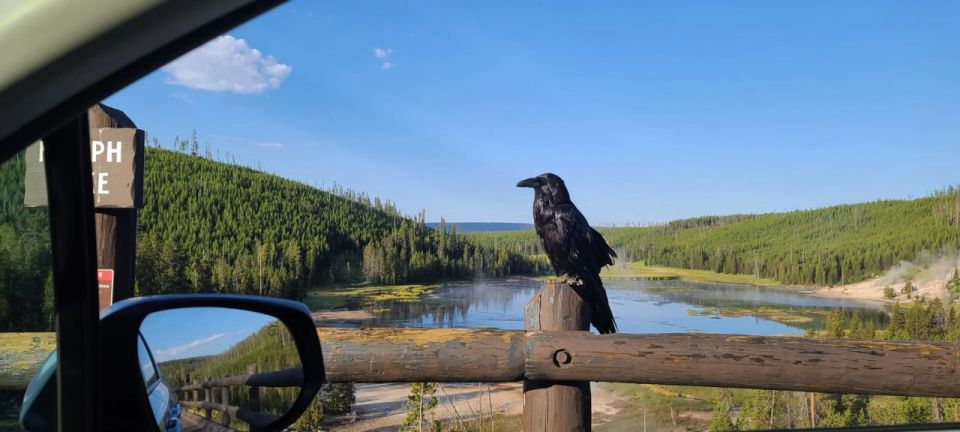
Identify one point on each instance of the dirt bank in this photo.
(381, 407)
(929, 277)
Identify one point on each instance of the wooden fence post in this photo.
(556, 406)
(207, 398)
(225, 401)
(254, 391)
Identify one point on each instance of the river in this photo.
(639, 306)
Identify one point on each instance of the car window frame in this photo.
(62, 125)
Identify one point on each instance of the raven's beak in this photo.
(532, 182)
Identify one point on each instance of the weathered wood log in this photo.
(21, 355)
(407, 355)
(773, 363)
(447, 355)
(556, 405)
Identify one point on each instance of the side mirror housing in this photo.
(130, 400)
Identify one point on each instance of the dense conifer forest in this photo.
(210, 226)
(827, 246)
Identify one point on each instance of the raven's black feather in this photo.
(573, 247)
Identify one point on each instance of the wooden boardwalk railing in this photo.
(221, 388)
(558, 360)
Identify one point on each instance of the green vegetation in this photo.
(889, 292)
(269, 349)
(365, 295)
(640, 271)
(208, 226)
(765, 409)
(828, 246)
(26, 295)
(785, 315)
(421, 402)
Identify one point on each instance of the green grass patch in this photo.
(499, 422)
(771, 313)
(641, 271)
(365, 295)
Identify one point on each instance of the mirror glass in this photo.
(208, 365)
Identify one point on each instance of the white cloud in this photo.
(227, 64)
(181, 350)
(384, 55)
(270, 145)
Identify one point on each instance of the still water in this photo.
(639, 307)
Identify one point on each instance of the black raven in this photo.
(576, 251)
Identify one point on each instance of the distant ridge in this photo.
(484, 226)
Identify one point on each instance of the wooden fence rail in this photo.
(772, 363)
(555, 362)
(379, 355)
(189, 396)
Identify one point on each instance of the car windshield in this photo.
(766, 169)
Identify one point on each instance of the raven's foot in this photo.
(569, 280)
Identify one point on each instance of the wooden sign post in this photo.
(116, 149)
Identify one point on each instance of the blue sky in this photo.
(650, 111)
(190, 332)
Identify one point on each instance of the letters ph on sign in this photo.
(116, 156)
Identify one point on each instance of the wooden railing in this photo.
(213, 395)
(555, 362)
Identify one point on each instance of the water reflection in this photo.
(639, 306)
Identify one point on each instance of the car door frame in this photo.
(63, 125)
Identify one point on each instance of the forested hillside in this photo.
(209, 226)
(26, 301)
(270, 349)
(828, 246)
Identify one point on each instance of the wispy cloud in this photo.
(185, 349)
(384, 55)
(183, 97)
(227, 64)
(270, 145)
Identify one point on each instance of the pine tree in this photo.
(420, 404)
(721, 421)
(835, 327)
(856, 326)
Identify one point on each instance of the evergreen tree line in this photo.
(208, 226)
(828, 246)
(26, 283)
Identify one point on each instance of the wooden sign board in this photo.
(117, 158)
(105, 287)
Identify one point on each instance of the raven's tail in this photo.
(595, 295)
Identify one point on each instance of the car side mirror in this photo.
(242, 362)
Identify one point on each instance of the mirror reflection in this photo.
(217, 366)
